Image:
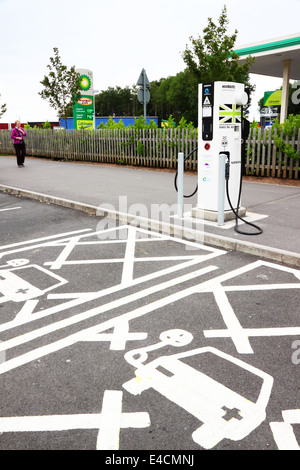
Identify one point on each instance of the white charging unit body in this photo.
(220, 131)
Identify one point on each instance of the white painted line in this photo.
(109, 422)
(238, 335)
(119, 337)
(26, 310)
(35, 243)
(65, 422)
(261, 287)
(79, 299)
(108, 436)
(202, 287)
(284, 436)
(34, 334)
(250, 217)
(127, 274)
(64, 254)
(255, 332)
(10, 209)
(2, 355)
(79, 336)
(129, 261)
(291, 416)
(130, 241)
(283, 432)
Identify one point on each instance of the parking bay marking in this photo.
(79, 336)
(109, 422)
(44, 350)
(79, 298)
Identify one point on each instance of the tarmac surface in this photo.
(91, 319)
(148, 198)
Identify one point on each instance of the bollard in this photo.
(180, 171)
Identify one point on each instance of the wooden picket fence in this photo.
(146, 147)
(264, 158)
(157, 148)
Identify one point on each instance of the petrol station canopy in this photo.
(279, 57)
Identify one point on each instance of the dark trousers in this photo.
(20, 153)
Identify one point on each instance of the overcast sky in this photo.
(116, 39)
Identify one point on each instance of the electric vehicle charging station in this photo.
(219, 149)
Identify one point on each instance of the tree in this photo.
(213, 59)
(117, 101)
(61, 86)
(182, 97)
(2, 109)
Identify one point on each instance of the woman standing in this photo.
(18, 134)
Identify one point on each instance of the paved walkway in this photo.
(149, 194)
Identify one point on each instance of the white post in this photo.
(221, 189)
(180, 170)
(285, 90)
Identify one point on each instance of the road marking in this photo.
(35, 243)
(201, 287)
(81, 298)
(65, 253)
(109, 422)
(255, 332)
(127, 274)
(79, 336)
(119, 337)
(230, 319)
(112, 421)
(10, 209)
(203, 397)
(283, 432)
(26, 310)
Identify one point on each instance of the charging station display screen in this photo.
(207, 111)
(207, 128)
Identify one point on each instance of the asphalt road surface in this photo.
(122, 340)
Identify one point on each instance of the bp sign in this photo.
(83, 109)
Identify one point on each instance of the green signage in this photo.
(83, 112)
(272, 98)
(83, 109)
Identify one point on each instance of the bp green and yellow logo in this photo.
(85, 82)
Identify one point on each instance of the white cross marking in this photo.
(109, 422)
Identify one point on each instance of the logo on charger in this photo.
(224, 142)
(207, 146)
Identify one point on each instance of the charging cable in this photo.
(236, 212)
(175, 179)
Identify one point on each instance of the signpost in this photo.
(143, 91)
(83, 109)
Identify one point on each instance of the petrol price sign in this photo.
(83, 109)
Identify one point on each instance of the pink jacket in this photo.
(16, 133)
